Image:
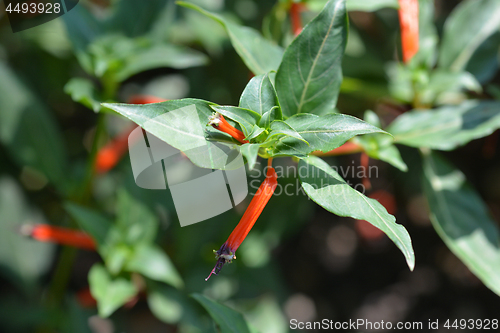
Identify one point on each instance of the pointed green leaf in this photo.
(256, 131)
(165, 302)
(135, 221)
(427, 34)
(92, 222)
(259, 54)
(180, 123)
(270, 116)
(29, 131)
(310, 74)
(23, 259)
(462, 219)
(227, 319)
(280, 128)
(447, 127)
(467, 27)
(327, 188)
(380, 146)
(152, 262)
(83, 91)
(159, 55)
(247, 119)
(250, 152)
(259, 95)
(323, 133)
(109, 293)
(356, 5)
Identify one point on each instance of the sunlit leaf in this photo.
(84, 92)
(327, 188)
(180, 123)
(447, 127)
(467, 27)
(250, 152)
(259, 95)
(310, 74)
(259, 54)
(29, 131)
(110, 293)
(227, 319)
(462, 219)
(152, 262)
(323, 133)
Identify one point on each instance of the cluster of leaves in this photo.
(288, 109)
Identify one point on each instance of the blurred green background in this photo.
(299, 261)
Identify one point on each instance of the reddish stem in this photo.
(347, 148)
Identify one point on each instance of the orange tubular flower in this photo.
(109, 155)
(408, 20)
(217, 121)
(227, 251)
(295, 18)
(59, 235)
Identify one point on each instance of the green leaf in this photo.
(29, 131)
(427, 35)
(380, 146)
(327, 188)
(270, 116)
(256, 131)
(323, 133)
(443, 83)
(165, 303)
(484, 63)
(142, 15)
(259, 54)
(92, 222)
(356, 5)
(371, 5)
(227, 319)
(109, 293)
(259, 95)
(462, 219)
(247, 119)
(160, 55)
(250, 152)
(152, 262)
(135, 221)
(467, 27)
(26, 259)
(180, 123)
(310, 74)
(117, 57)
(281, 128)
(83, 91)
(447, 127)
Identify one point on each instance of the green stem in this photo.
(61, 276)
(85, 189)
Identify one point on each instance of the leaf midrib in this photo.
(306, 85)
